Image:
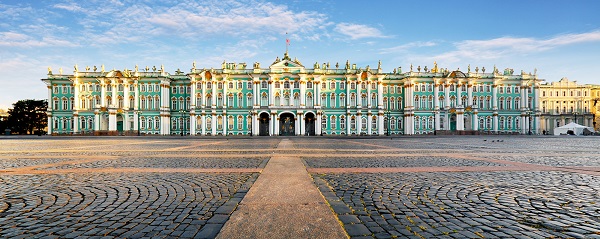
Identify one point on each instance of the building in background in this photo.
(566, 101)
(287, 98)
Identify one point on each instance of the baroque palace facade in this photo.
(288, 99)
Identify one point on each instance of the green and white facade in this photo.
(288, 99)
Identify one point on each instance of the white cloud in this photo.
(407, 46)
(13, 39)
(358, 31)
(512, 46)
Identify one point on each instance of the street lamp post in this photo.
(182, 128)
(529, 119)
(139, 113)
(251, 123)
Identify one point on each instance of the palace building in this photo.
(287, 98)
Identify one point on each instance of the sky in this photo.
(556, 38)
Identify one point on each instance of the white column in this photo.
(213, 123)
(255, 92)
(302, 124)
(369, 95)
(203, 96)
(225, 96)
(49, 123)
(348, 82)
(126, 105)
(272, 93)
(379, 95)
(460, 120)
(225, 124)
(369, 123)
(437, 120)
(495, 97)
(358, 94)
(447, 96)
(297, 125)
(136, 97)
(475, 120)
(113, 100)
(96, 120)
(318, 125)
(215, 85)
(380, 123)
(302, 92)
(103, 94)
(112, 120)
(459, 95)
(136, 121)
(348, 119)
(76, 95)
(192, 123)
(358, 123)
(469, 95)
(75, 123)
(436, 97)
(203, 123)
(273, 125)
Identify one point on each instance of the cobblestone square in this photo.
(415, 187)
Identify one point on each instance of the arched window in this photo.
(342, 122)
(296, 84)
(333, 123)
(352, 100)
(230, 122)
(296, 99)
(309, 100)
(502, 126)
(342, 100)
(324, 122)
(240, 122)
(209, 123)
(399, 103)
(277, 100)
(286, 84)
(264, 84)
(332, 103)
(353, 123)
(264, 101)
(417, 103)
(363, 124)
(309, 85)
(230, 85)
(374, 123)
(209, 85)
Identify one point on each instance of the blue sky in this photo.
(558, 38)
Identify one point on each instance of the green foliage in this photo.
(28, 116)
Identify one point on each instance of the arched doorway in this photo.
(287, 124)
(309, 123)
(453, 122)
(467, 122)
(263, 125)
(104, 122)
(120, 123)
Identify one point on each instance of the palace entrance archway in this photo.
(263, 125)
(309, 123)
(287, 124)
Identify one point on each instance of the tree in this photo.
(28, 116)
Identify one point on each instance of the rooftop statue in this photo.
(136, 68)
(76, 68)
(347, 64)
(95, 68)
(49, 71)
(60, 70)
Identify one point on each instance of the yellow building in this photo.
(566, 101)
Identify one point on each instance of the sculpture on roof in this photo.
(95, 68)
(76, 68)
(60, 70)
(411, 67)
(379, 65)
(223, 65)
(347, 64)
(87, 68)
(102, 67)
(435, 67)
(49, 71)
(194, 65)
(153, 68)
(136, 68)
(469, 68)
